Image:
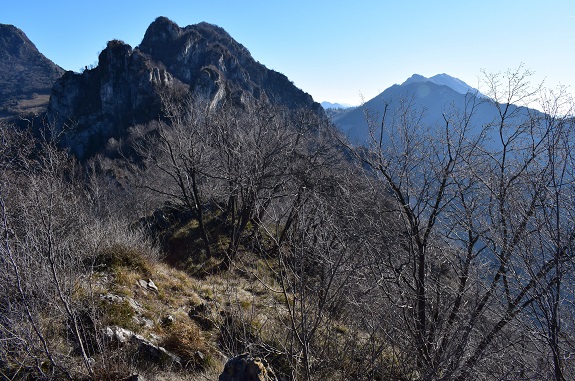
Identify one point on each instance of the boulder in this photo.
(118, 335)
(246, 368)
(158, 355)
(147, 284)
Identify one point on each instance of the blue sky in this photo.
(334, 50)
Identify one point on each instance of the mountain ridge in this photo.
(330, 105)
(434, 99)
(125, 87)
(26, 75)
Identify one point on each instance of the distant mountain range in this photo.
(329, 105)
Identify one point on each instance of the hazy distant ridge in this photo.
(439, 95)
(443, 80)
(329, 105)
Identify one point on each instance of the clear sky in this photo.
(334, 50)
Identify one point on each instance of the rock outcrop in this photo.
(147, 350)
(101, 103)
(207, 58)
(246, 368)
(125, 88)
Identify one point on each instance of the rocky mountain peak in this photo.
(125, 88)
(195, 48)
(115, 50)
(161, 31)
(101, 103)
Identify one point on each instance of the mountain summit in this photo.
(26, 75)
(443, 80)
(125, 88)
(205, 54)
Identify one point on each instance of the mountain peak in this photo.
(126, 87)
(161, 29)
(443, 80)
(415, 78)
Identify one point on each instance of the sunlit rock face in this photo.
(125, 88)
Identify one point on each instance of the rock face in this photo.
(101, 103)
(207, 58)
(26, 75)
(246, 368)
(124, 89)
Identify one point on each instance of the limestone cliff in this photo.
(124, 89)
(100, 103)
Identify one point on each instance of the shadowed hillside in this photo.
(26, 76)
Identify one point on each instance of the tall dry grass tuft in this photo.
(187, 341)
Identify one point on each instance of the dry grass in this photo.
(243, 306)
(187, 341)
(121, 255)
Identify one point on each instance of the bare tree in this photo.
(469, 198)
(556, 230)
(179, 157)
(316, 263)
(262, 152)
(41, 214)
(238, 161)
